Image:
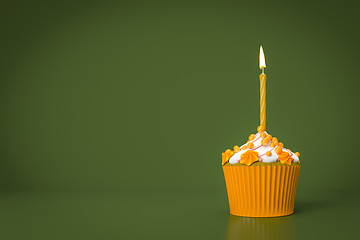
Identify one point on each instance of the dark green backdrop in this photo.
(147, 95)
(144, 96)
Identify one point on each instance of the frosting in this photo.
(260, 147)
(249, 157)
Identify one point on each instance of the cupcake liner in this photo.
(261, 191)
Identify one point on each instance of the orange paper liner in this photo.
(261, 191)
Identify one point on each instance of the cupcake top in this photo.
(261, 147)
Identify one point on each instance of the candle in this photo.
(262, 66)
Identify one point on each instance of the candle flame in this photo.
(262, 63)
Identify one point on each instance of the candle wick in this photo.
(263, 70)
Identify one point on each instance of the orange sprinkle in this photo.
(244, 147)
(272, 144)
(284, 157)
(269, 137)
(249, 157)
(263, 134)
(226, 156)
(297, 154)
(251, 137)
(250, 145)
(278, 150)
(264, 142)
(237, 149)
(281, 145)
(261, 128)
(228, 151)
(223, 158)
(274, 139)
(268, 153)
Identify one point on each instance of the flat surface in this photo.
(160, 215)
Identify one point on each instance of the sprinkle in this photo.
(226, 156)
(284, 157)
(229, 152)
(297, 154)
(249, 157)
(250, 145)
(269, 137)
(223, 160)
(268, 153)
(278, 150)
(263, 134)
(261, 128)
(237, 149)
(265, 142)
(251, 137)
(281, 145)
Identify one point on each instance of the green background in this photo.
(115, 114)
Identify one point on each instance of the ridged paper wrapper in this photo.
(261, 191)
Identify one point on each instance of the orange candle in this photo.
(262, 66)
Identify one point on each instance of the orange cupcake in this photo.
(261, 175)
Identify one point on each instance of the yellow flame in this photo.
(262, 63)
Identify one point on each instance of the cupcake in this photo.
(261, 175)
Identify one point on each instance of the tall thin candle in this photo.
(262, 66)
